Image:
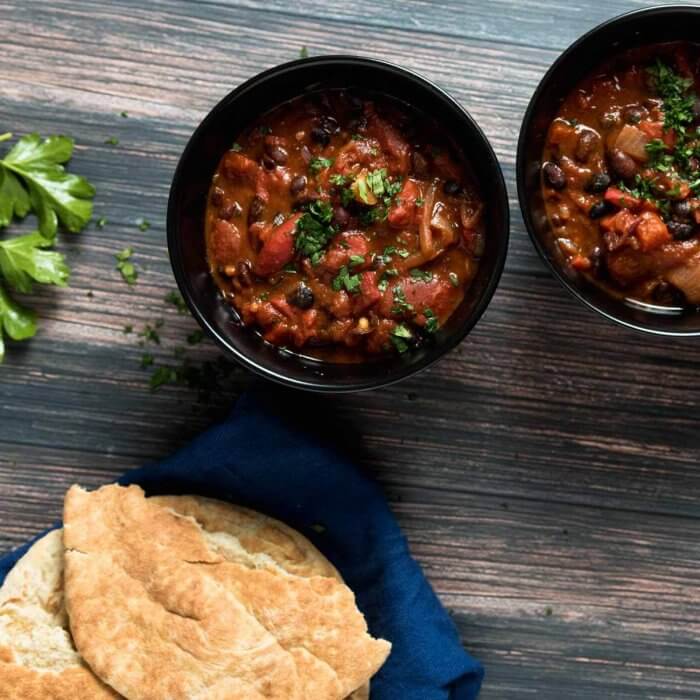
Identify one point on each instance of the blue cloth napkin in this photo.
(257, 459)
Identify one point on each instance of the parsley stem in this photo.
(6, 136)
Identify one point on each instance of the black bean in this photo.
(302, 297)
(268, 162)
(554, 176)
(355, 104)
(587, 141)
(682, 211)
(278, 154)
(681, 231)
(255, 212)
(451, 187)
(622, 164)
(321, 136)
(217, 197)
(633, 114)
(598, 183)
(297, 184)
(329, 124)
(599, 209)
(228, 211)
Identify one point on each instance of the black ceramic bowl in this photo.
(213, 137)
(639, 28)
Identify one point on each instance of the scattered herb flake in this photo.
(112, 141)
(195, 337)
(318, 164)
(235, 146)
(303, 52)
(125, 266)
(454, 279)
(143, 224)
(101, 222)
(146, 360)
(175, 299)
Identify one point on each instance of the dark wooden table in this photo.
(545, 471)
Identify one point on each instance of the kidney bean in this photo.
(587, 141)
(217, 197)
(623, 165)
(256, 210)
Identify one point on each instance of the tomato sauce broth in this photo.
(621, 176)
(344, 226)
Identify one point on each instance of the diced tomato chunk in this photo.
(225, 243)
(278, 248)
(651, 231)
(621, 199)
(403, 213)
(369, 292)
(438, 295)
(345, 246)
(397, 150)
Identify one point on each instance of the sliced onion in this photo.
(469, 214)
(425, 233)
(633, 142)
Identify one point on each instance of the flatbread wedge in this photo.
(160, 607)
(37, 658)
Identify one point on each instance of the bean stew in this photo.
(344, 226)
(620, 177)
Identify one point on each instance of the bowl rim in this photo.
(521, 166)
(496, 185)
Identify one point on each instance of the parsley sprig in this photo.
(314, 230)
(33, 179)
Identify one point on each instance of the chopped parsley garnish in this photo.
(150, 333)
(400, 337)
(314, 230)
(175, 298)
(347, 281)
(101, 222)
(431, 321)
(124, 114)
(128, 329)
(422, 275)
(112, 141)
(235, 146)
(163, 375)
(357, 260)
(303, 52)
(318, 164)
(143, 224)
(420, 202)
(125, 266)
(290, 268)
(401, 306)
(454, 279)
(676, 94)
(338, 180)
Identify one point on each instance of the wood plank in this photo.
(547, 463)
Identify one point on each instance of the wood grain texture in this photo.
(545, 471)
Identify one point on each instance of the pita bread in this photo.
(37, 658)
(160, 607)
(256, 540)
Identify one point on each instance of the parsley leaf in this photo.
(318, 164)
(399, 337)
(345, 280)
(23, 259)
(401, 306)
(422, 275)
(303, 52)
(15, 320)
(314, 230)
(431, 321)
(53, 194)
